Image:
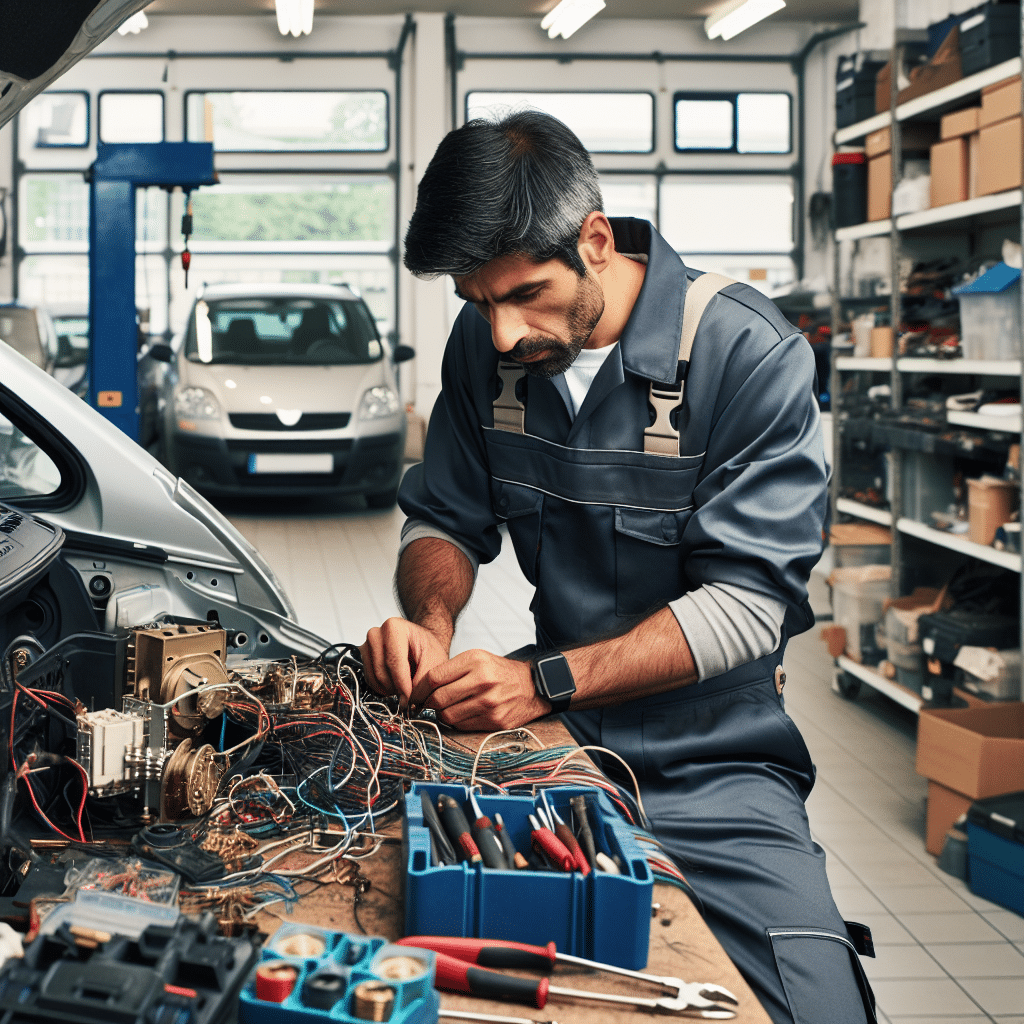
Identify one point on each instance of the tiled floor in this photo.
(944, 955)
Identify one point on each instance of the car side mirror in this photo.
(404, 353)
(68, 355)
(161, 352)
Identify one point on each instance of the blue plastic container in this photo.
(599, 916)
(995, 850)
(416, 1002)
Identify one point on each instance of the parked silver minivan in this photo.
(283, 389)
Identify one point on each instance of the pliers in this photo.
(460, 963)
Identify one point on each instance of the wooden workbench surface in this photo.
(681, 944)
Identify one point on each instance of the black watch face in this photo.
(556, 677)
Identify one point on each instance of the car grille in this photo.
(308, 421)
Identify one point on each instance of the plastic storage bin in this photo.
(855, 89)
(927, 485)
(989, 35)
(356, 959)
(849, 189)
(599, 916)
(858, 594)
(995, 850)
(990, 315)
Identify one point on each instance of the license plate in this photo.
(287, 463)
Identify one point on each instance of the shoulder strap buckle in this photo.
(509, 412)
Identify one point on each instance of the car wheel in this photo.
(383, 499)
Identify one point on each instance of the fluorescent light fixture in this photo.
(733, 18)
(294, 17)
(570, 15)
(135, 24)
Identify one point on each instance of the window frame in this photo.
(129, 92)
(732, 96)
(88, 120)
(388, 140)
(585, 92)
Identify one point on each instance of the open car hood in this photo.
(41, 39)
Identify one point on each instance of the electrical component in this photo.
(107, 742)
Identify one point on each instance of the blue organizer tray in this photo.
(599, 916)
(416, 1002)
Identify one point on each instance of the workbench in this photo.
(681, 944)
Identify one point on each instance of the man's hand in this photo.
(397, 655)
(481, 692)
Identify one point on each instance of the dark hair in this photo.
(523, 184)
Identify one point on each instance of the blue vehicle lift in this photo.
(119, 169)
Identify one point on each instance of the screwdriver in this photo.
(486, 840)
(512, 855)
(586, 837)
(442, 846)
(546, 842)
(457, 827)
(564, 833)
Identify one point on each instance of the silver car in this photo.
(283, 389)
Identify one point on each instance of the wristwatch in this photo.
(552, 679)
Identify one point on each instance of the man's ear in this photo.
(597, 243)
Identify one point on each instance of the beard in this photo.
(580, 320)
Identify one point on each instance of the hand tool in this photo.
(606, 864)
(442, 847)
(486, 840)
(458, 828)
(586, 837)
(502, 953)
(490, 1018)
(512, 855)
(563, 832)
(454, 975)
(547, 843)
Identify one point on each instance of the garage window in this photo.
(131, 117)
(733, 122)
(270, 122)
(605, 122)
(57, 120)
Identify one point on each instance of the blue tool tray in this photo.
(416, 1002)
(599, 916)
(995, 850)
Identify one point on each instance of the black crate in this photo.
(988, 36)
(855, 88)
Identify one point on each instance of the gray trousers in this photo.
(724, 774)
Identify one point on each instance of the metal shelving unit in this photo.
(963, 217)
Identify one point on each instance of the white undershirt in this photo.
(581, 374)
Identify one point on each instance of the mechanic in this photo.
(666, 584)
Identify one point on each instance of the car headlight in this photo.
(377, 403)
(196, 404)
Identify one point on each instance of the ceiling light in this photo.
(294, 17)
(569, 15)
(135, 24)
(731, 19)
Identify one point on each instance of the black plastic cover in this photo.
(27, 548)
(1001, 815)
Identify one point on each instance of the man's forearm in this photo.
(433, 583)
(653, 657)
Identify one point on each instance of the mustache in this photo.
(526, 347)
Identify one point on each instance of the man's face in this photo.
(541, 314)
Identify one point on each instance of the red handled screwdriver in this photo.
(487, 840)
(458, 828)
(547, 843)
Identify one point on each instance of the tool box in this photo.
(995, 850)
(599, 916)
(330, 970)
(184, 973)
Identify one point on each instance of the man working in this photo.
(666, 504)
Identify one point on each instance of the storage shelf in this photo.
(855, 508)
(893, 690)
(1007, 424)
(870, 229)
(989, 367)
(956, 542)
(864, 363)
(936, 102)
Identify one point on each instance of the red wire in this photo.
(39, 810)
(85, 793)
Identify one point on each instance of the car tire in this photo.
(383, 499)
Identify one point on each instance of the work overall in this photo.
(608, 532)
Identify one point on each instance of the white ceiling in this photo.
(832, 11)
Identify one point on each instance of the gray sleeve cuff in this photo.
(415, 529)
(727, 626)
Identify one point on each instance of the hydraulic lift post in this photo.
(119, 169)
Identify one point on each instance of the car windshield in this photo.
(275, 331)
(18, 328)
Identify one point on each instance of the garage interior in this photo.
(803, 211)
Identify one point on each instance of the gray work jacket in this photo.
(605, 531)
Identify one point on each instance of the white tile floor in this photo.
(944, 955)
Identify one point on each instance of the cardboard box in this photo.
(974, 751)
(949, 172)
(999, 158)
(973, 154)
(960, 122)
(944, 807)
(914, 138)
(1000, 101)
(880, 187)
